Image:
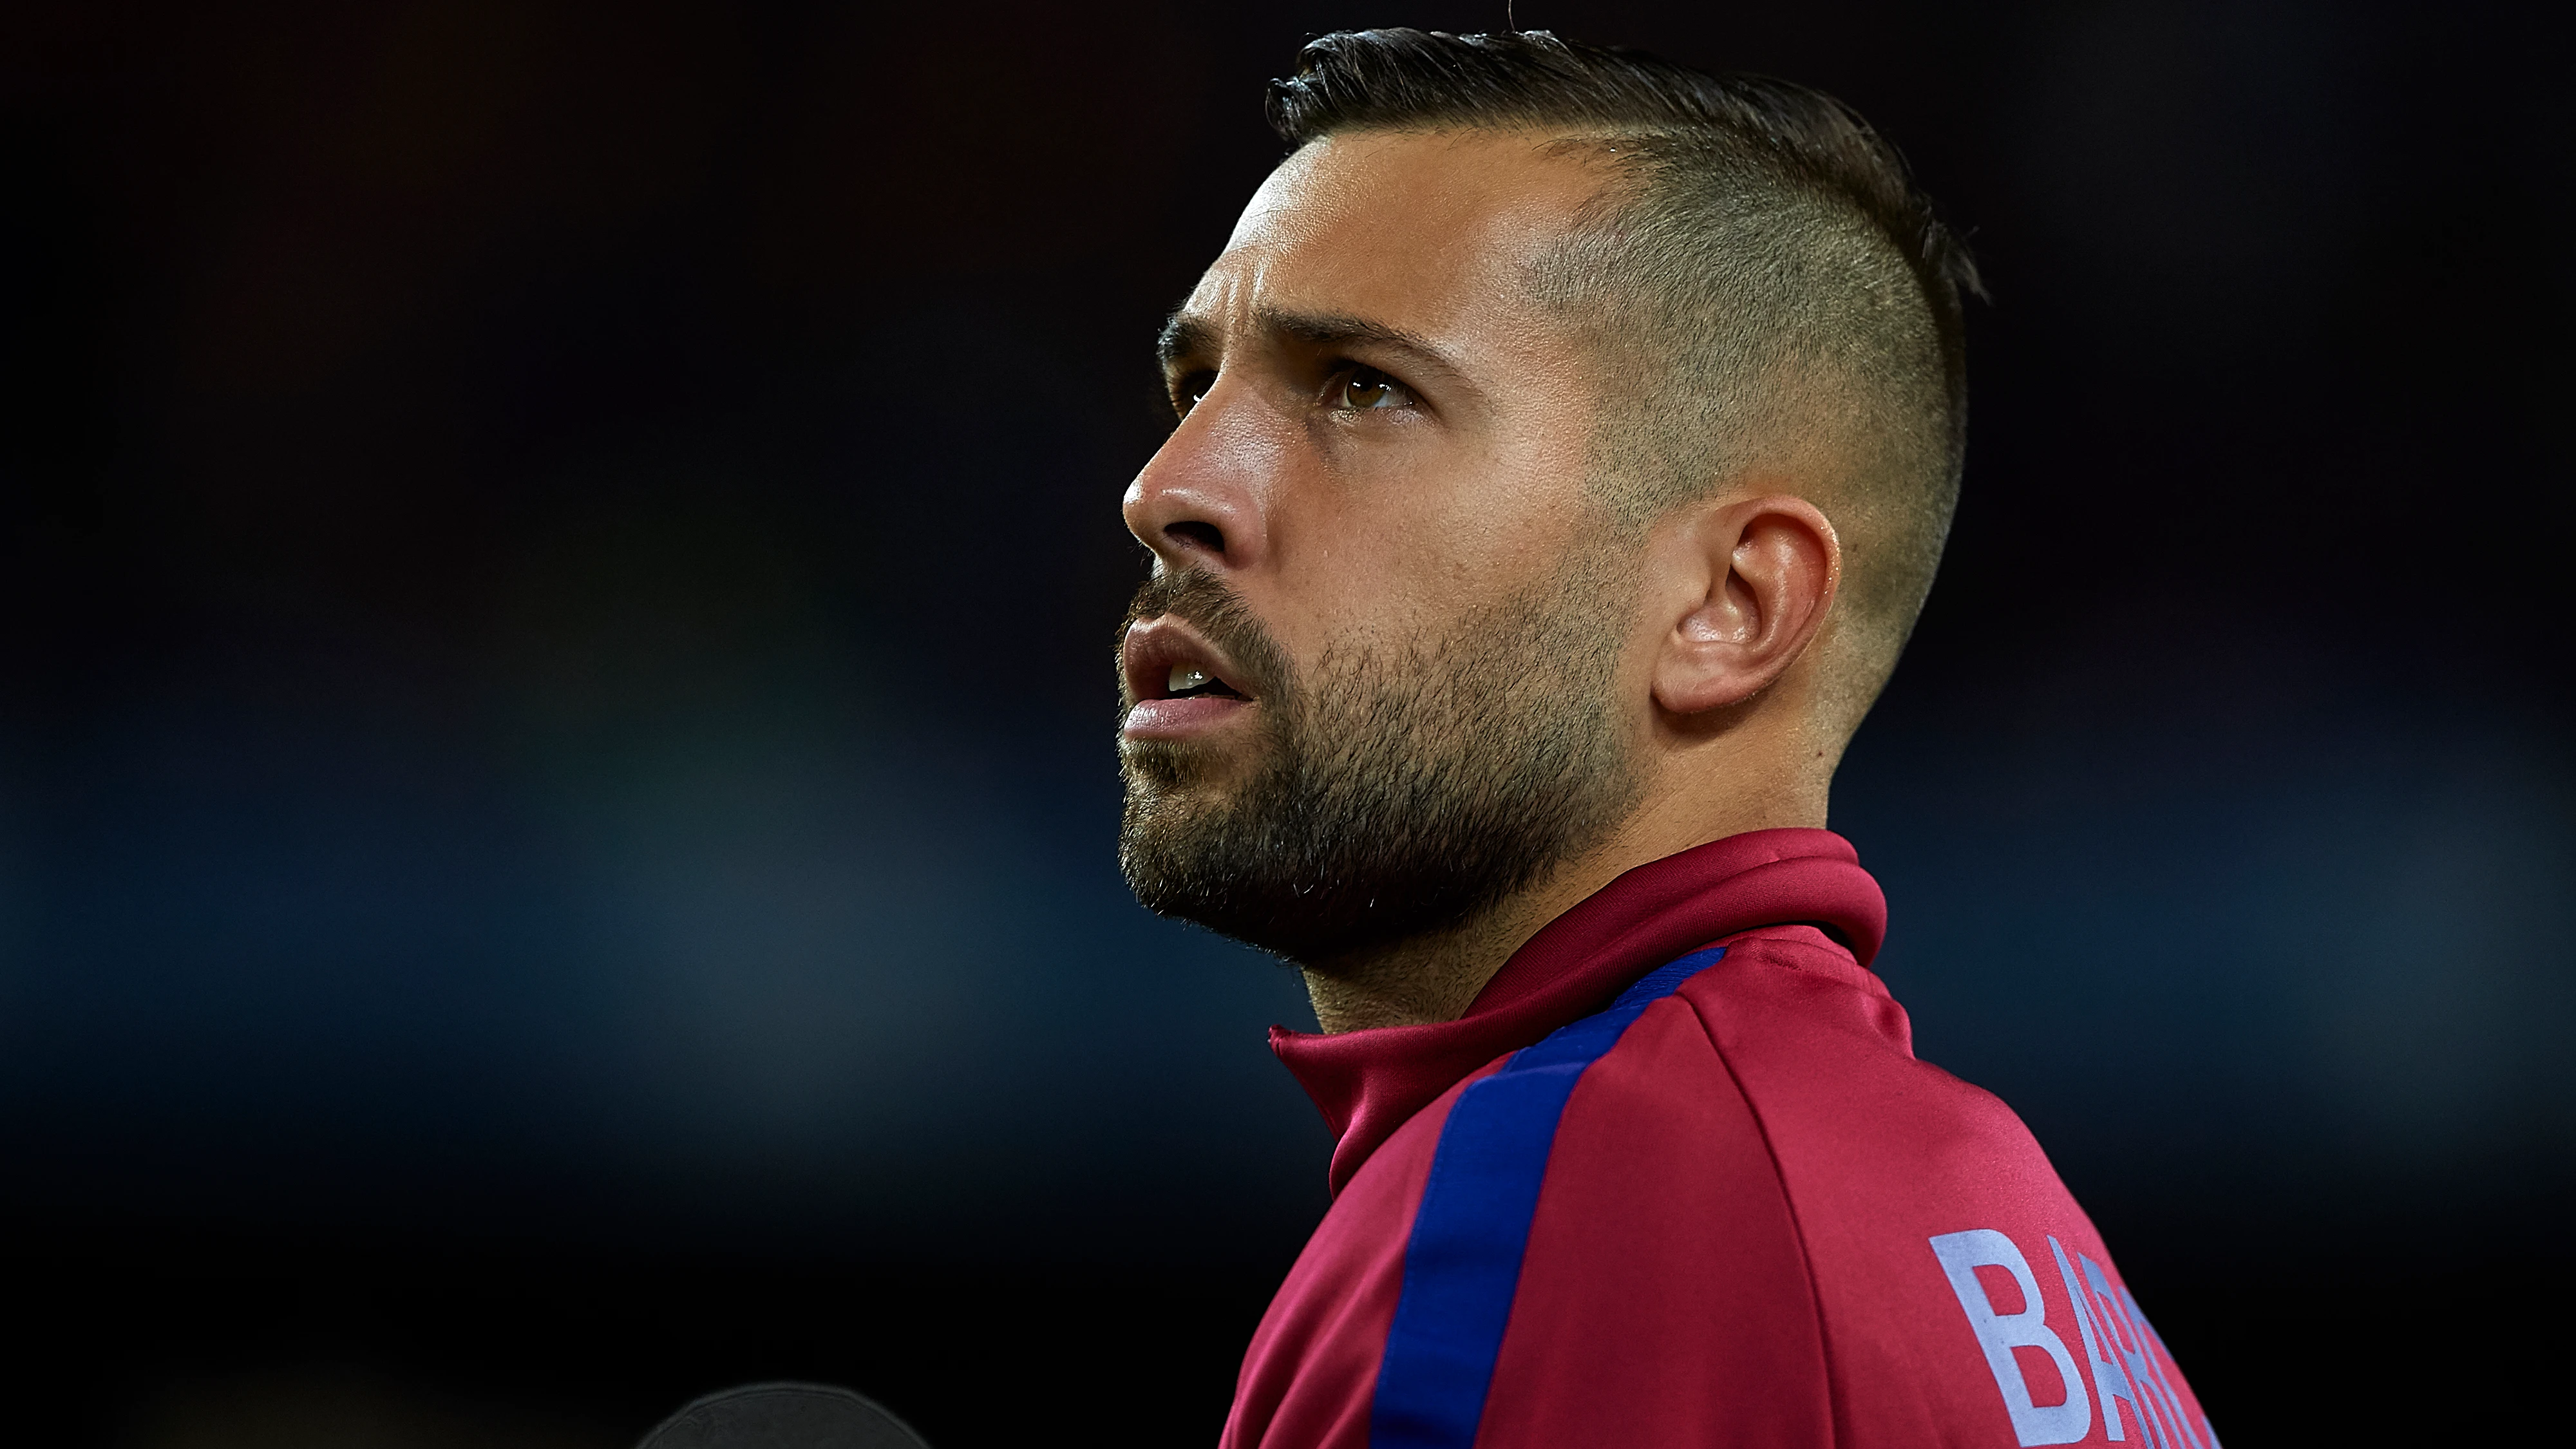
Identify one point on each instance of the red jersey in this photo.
(1677, 1179)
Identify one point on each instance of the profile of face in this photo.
(1372, 686)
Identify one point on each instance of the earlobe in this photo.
(1758, 576)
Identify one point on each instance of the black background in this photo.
(555, 774)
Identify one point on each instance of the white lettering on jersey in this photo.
(2140, 1351)
(1961, 1255)
(2111, 1386)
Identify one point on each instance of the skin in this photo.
(1381, 429)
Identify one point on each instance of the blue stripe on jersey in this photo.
(1463, 1263)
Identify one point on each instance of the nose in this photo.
(1199, 503)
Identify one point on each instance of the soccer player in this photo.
(1566, 443)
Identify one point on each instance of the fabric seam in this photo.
(1797, 1221)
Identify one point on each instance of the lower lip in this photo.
(1176, 719)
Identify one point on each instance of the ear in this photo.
(1750, 583)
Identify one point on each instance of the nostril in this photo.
(1197, 534)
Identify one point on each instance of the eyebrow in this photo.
(1184, 337)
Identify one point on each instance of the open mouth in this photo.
(1189, 681)
(1178, 684)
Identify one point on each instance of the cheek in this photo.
(1508, 537)
(1425, 588)
(1423, 536)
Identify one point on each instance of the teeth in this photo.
(1186, 677)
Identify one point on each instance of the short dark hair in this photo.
(1768, 247)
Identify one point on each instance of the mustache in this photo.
(1211, 606)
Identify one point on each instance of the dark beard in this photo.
(1401, 791)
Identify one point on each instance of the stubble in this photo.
(1396, 789)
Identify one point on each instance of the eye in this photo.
(1365, 389)
(1188, 388)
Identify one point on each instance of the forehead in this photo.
(1425, 232)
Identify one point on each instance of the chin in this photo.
(1180, 769)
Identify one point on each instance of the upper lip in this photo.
(1155, 646)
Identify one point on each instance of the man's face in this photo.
(1371, 686)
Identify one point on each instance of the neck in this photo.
(1436, 976)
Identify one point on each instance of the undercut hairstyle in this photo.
(1760, 277)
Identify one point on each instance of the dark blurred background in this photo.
(556, 796)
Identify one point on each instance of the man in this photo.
(1566, 444)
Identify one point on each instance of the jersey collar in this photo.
(1368, 1083)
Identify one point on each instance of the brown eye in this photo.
(1187, 392)
(1367, 388)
